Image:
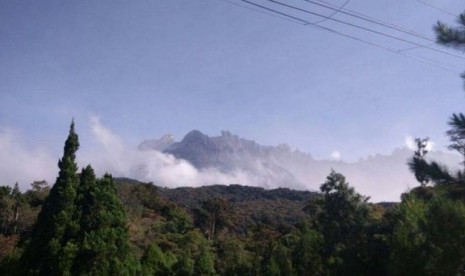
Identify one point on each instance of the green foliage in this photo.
(205, 264)
(45, 252)
(407, 239)
(228, 230)
(451, 36)
(213, 216)
(81, 228)
(439, 174)
(156, 262)
(233, 258)
(102, 242)
(306, 255)
(428, 237)
(457, 134)
(343, 221)
(15, 211)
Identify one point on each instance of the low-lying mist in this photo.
(382, 177)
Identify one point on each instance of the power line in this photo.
(367, 29)
(414, 47)
(257, 10)
(369, 19)
(436, 8)
(310, 24)
(336, 11)
(389, 25)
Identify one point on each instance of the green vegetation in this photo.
(83, 225)
(90, 226)
(81, 228)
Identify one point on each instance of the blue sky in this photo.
(147, 68)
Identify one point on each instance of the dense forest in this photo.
(84, 225)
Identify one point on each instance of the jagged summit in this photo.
(157, 144)
(226, 151)
(250, 163)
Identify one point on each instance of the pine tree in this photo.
(452, 37)
(103, 247)
(48, 251)
(81, 229)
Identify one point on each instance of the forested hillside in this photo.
(84, 224)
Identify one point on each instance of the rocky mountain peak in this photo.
(160, 144)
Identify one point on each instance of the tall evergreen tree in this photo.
(102, 242)
(48, 251)
(438, 174)
(81, 229)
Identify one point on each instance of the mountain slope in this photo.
(383, 177)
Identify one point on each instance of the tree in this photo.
(428, 237)
(233, 258)
(214, 216)
(407, 239)
(451, 36)
(102, 240)
(205, 264)
(457, 134)
(81, 228)
(44, 253)
(11, 205)
(306, 254)
(432, 171)
(343, 221)
(419, 158)
(157, 262)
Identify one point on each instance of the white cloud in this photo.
(382, 177)
(411, 144)
(430, 145)
(24, 165)
(104, 136)
(115, 157)
(21, 164)
(336, 155)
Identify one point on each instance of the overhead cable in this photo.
(336, 11)
(367, 29)
(364, 17)
(436, 8)
(310, 24)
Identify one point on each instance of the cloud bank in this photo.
(21, 164)
(115, 157)
(383, 177)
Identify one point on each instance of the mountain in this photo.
(157, 144)
(383, 177)
(230, 154)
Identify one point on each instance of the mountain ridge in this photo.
(384, 177)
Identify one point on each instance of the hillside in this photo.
(248, 206)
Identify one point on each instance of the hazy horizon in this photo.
(144, 69)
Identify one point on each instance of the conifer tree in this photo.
(437, 173)
(48, 251)
(81, 229)
(103, 247)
